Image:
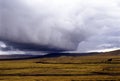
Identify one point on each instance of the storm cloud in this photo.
(61, 24)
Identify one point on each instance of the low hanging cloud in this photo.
(61, 24)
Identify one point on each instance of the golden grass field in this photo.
(62, 68)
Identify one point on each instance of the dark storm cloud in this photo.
(61, 24)
(38, 24)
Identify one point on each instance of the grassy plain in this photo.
(97, 67)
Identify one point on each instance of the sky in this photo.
(79, 25)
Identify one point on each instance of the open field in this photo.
(104, 67)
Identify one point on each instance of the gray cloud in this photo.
(63, 24)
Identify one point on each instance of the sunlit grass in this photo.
(62, 69)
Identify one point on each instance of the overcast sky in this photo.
(81, 25)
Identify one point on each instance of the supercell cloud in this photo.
(81, 25)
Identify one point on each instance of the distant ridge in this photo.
(27, 56)
(116, 52)
(18, 57)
